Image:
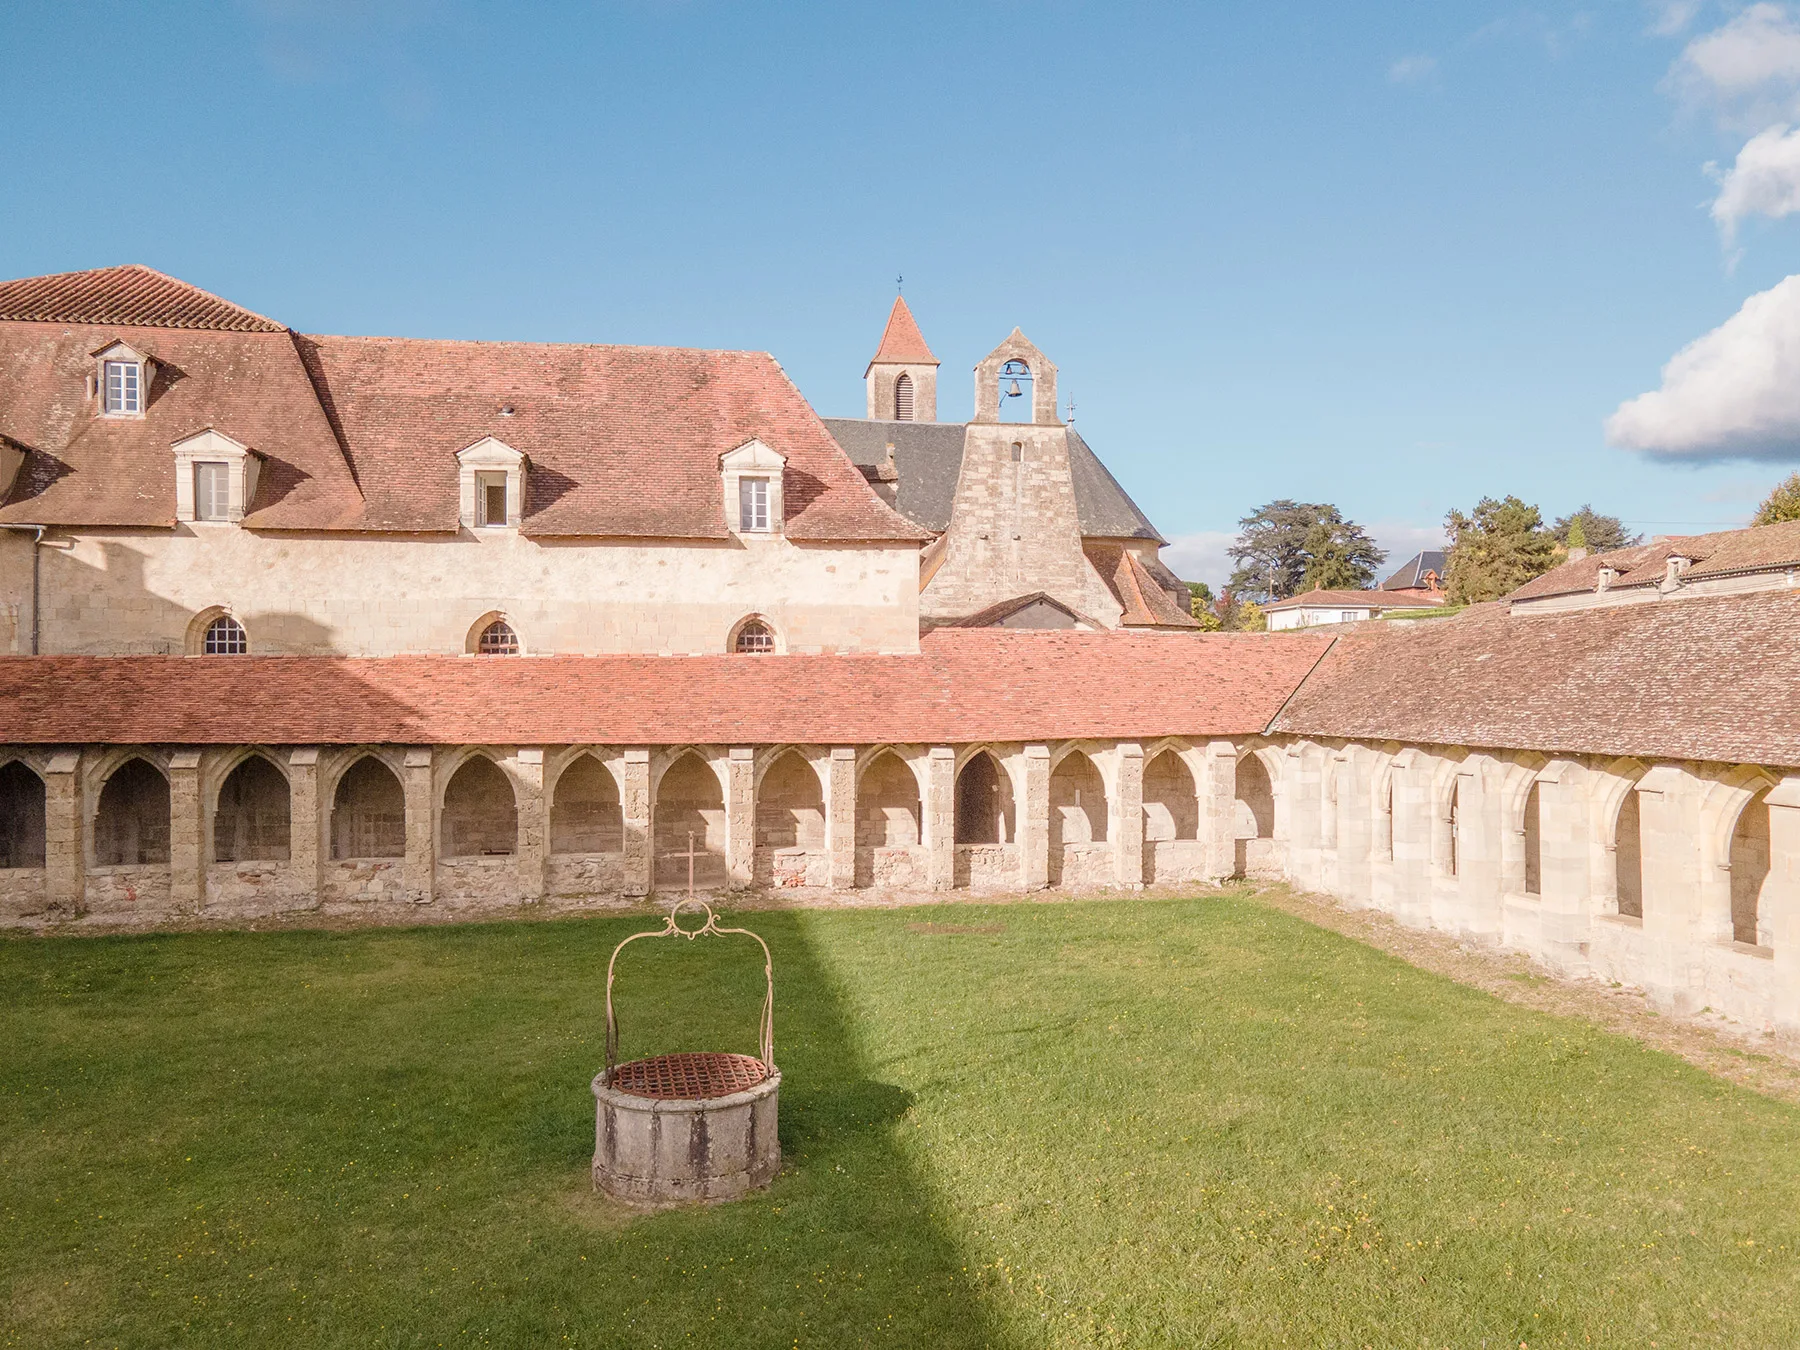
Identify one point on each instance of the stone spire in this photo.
(902, 375)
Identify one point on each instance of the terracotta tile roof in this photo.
(1150, 594)
(83, 470)
(1709, 678)
(1762, 548)
(965, 685)
(901, 340)
(132, 296)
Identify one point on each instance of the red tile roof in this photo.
(1412, 598)
(901, 340)
(1150, 597)
(1759, 549)
(1711, 677)
(132, 296)
(965, 685)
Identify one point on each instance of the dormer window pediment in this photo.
(752, 479)
(491, 475)
(121, 379)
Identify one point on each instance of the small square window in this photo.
(491, 488)
(123, 388)
(753, 505)
(212, 491)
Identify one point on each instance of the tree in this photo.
(1496, 550)
(1288, 546)
(1599, 533)
(1781, 504)
(1200, 597)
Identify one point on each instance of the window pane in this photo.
(212, 496)
(121, 378)
(753, 504)
(225, 636)
(494, 513)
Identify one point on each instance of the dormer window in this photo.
(492, 476)
(124, 384)
(215, 477)
(753, 505)
(751, 477)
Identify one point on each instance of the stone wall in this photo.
(125, 592)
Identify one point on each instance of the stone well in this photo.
(685, 1127)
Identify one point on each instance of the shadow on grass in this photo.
(382, 1138)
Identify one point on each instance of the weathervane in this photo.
(900, 285)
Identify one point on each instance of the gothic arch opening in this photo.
(1016, 392)
(1077, 809)
(887, 804)
(1749, 873)
(1171, 801)
(21, 816)
(1628, 857)
(481, 815)
(903, 398)
(368, 812)
(1534, 847)
(1253, 814)
(690, 806)
(586, 815)
(984, 802)
(790, 812)
(131, 826)
(252, 822)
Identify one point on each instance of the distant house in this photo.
(1309, 609)
(1422, 572)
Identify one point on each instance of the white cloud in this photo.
(1673, 17)
(1765, 181)
(1201, 557)
(1732, 394)
(1402, 541)
(1412, 69)
(1748, 71)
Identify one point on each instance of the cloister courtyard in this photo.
(1140, 1122)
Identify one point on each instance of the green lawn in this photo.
(1164, 1123)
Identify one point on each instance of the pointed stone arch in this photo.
(586, 806)
(478, 808)
(368, 808)
(23, 815)
(689, 805)
(131, 815)
(251, 810)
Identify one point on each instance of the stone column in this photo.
(1565, 843)
(65, 836)
(1781, 903)
(740, 815)
(1126, 828)
(840, 817)
(187, 826)
(1669, 830)
(534, 823)
(939, 824)
(1032, 819)
(640, 838)
(307, 822)
(1305, 804)
(1218, 810)
(1413, 811)
(420, 870)
(1477, 891)
(1355, 767)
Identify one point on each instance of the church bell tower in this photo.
(902, 375)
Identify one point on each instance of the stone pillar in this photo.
(1669, 830)
(1781, 903)
(1032, 819)
(420, 869)
(1355, 768)
(1126, 828)
(308, 820)
(740, 815)
(840, 817)
(640, 838)
(534, 822)
(187, 828)
(1565, 843)
(1477, 891)
(65, 836)
(1305, 809)
(1218, 810)
(1413, 813)
(939, 824)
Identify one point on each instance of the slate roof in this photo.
(929, 458)
(965, 685)
(1763, 548)
(901, 340)
(1410, 574)
(1711, 678)
(361, 434)
(1375, 599)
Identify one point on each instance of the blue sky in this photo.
(1393, 256)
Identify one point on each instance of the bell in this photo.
(1016, 392)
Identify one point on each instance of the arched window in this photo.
(368, 814)
(497, 639)
(984, 803)
(1628, 857)
(481, 815)
(131, 826)
(1749, 872)
(252, 820)
(1534, 852)
(225, 636)
(754, 638)
(903, 399)
(21, 817)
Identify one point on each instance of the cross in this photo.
(690, 855)
(900, 285)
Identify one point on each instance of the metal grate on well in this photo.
(694, 1075)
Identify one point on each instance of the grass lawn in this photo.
(1158, 1123)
